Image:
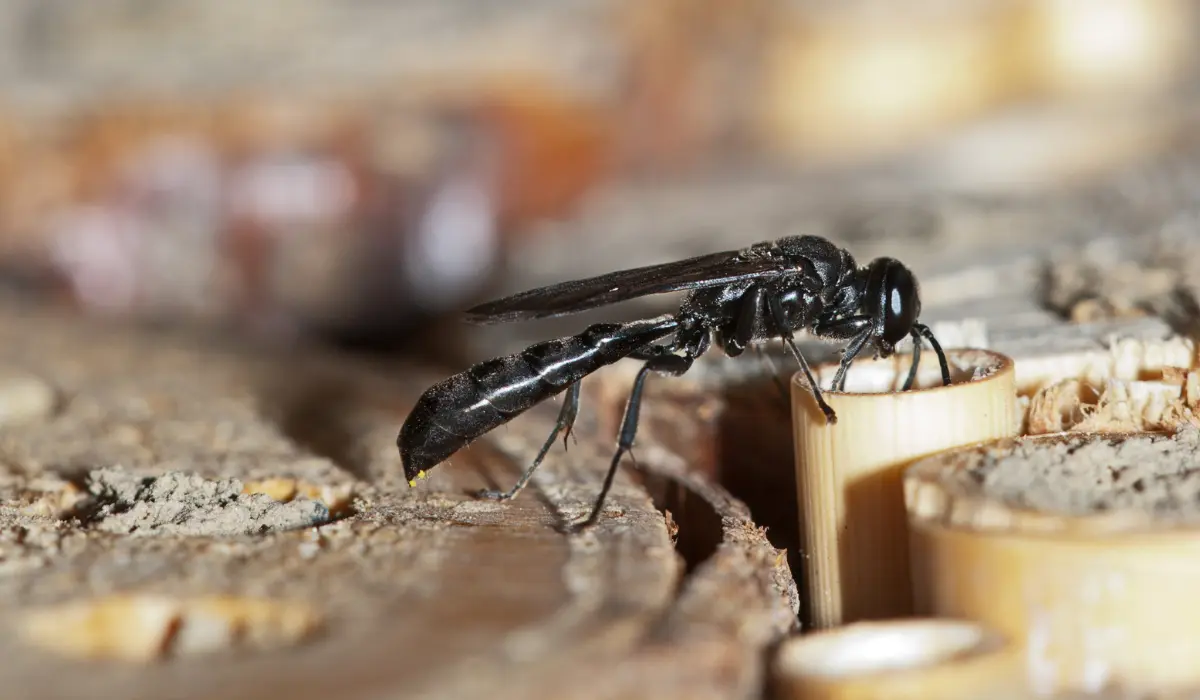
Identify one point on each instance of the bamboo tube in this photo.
(918, 659)
(852, 517)
(1084, 550)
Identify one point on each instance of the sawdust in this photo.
(1089, 475)
(1115, 406)
(177, 503)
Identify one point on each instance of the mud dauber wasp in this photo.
(766, 291)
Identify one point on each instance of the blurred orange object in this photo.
(693, 70)
(549, 150)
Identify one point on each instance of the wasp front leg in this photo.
(858, 330)
(779, 317)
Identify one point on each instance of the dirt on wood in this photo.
(190, 505)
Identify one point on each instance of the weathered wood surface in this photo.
(425, 592)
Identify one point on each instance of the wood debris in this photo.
(144, 628)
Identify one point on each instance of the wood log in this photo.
(170, 467)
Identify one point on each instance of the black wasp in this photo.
(769, 290)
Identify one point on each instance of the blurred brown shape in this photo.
(693, 73)
(810, 83)
(290, 211)
(549, 150)
(336, 201)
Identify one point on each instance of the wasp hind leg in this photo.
(666, 363)
(564, 424)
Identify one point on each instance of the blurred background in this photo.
(354, 171)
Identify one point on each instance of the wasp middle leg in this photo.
(657, 359)
(856, 329)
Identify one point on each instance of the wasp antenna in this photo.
(937, 348)
(916, 360)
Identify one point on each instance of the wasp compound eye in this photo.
(902, 304)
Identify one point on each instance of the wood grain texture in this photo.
(426, 592)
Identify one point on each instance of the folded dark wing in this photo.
(579, 295)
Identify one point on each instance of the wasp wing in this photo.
(579, 295)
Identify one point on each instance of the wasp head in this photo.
(893, 299)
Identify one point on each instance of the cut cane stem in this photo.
(918, 659)
(852, 517)
(1084, 550)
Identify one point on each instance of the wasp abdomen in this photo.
(459, 409)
